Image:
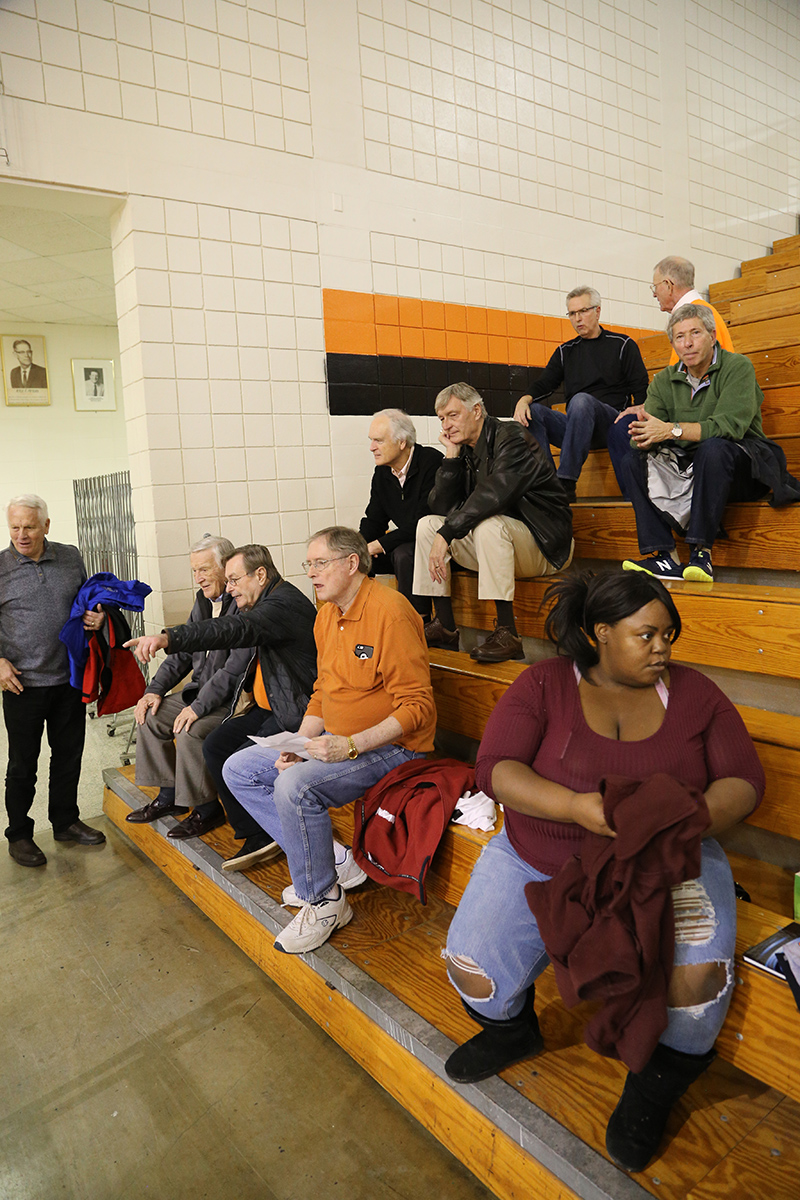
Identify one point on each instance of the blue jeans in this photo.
(722, 472)
(293, 804)
(619, 447)
(495, 929)
(583, 428)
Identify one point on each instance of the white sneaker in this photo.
(314, 924)
(348, 875)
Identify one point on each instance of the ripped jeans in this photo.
(494, 928)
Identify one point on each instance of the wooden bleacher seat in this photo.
(758, 536)
(737, 626)
(379, 988)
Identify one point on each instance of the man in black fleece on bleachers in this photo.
(600, 372)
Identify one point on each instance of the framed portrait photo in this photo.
(24, 370)
(93, 384)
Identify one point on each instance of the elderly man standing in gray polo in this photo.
(169, 742)
(39, 580)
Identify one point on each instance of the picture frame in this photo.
(93, 385)
(26, 381)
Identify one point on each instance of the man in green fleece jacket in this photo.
(707, 409)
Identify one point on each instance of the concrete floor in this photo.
(146, 1056)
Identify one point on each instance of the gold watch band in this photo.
(351, 748)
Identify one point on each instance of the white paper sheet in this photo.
(284, 743)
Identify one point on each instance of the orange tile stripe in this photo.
(361, 323)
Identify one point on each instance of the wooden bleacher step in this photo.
(738, 626)
(764, 308)
(380, 990)
(754, 283)
(787, 243)
(758, 536)
(777, 261)
(515, 1149)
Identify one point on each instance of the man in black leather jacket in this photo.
(500, 510)
(278, 620)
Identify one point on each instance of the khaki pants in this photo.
(500, 549)
(163, 760)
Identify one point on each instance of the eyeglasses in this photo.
(234, 579)
(653, 286)
(319, 564)
(581, 312)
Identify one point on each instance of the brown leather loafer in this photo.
(500, 646)
(26, 853)
(440, 638)
(154, 810)
(195, 826)
(78, 832)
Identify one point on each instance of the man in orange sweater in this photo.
(371, 709)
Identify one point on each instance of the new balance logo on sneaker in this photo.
(660, 566)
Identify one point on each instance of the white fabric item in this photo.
(670, 484)
(477, 811)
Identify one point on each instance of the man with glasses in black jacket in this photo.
(278, 620)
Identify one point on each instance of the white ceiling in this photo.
(55, 265)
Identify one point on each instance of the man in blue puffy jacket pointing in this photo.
(38, 583)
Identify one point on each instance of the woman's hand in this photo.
(587, 810)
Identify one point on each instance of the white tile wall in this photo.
(510, 100)
(211, 379)
(209, 67)
(744, 136)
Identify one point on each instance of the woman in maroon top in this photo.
(610, 704)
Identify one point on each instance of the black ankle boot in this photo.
(498, 1045)
(638, 1122)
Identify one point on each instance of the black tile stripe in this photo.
(360, 384)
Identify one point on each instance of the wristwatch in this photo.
(351, 752)
(677, 432)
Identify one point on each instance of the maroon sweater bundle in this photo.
(540, 722)
(607, 918)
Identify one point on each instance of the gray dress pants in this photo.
(163, 760)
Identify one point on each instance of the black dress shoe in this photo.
(440, 638)
(26, 853)
(78, 832)
(500, 646)
(196, 826)
(155, 809)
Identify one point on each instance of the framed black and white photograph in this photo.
(24, 370)
(93, 384)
